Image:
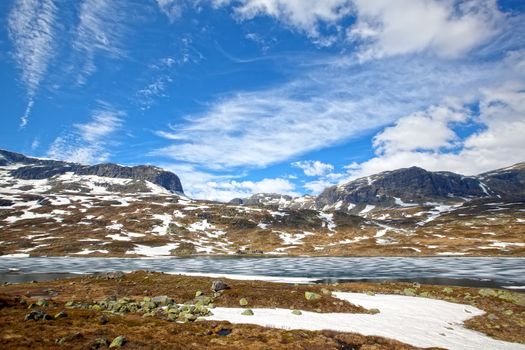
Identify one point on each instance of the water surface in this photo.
(468, 271)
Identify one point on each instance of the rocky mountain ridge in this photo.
(405, 187)
(70, 213)
(27, 168)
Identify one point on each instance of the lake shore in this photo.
(502, 314)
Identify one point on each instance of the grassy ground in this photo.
(84, 327)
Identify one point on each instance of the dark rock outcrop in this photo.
(416, 186)
(36, 168)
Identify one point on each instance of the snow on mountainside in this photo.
(58, 208)
(57, 176)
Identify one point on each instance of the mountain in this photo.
(53, 208)
(405, 187)
(417, 186)
(276, 200)
(63, 176)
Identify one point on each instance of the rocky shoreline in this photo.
(154, 310)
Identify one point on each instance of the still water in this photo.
(469, 271)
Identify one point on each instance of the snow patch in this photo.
(432, 323)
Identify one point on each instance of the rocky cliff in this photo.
(28, 168)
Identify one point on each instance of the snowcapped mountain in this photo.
(416, 186)
(406, 187)
(57, 208)
(18, 172)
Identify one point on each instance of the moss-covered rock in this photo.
(311, 296)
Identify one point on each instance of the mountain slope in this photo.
(64, 175)
(416, 186)
(58, 208)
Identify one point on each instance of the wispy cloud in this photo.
(340, 99)
(306, 16)
(101, 27)
(163, 72)
(31, 25)
(88, 142)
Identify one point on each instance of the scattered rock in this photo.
(218, 286)
(297, 312)
(373, 311)
(68, 338)
(448, 290)
(223, 332)
(162, 300)
(99, 343)
(243, 302)
(42, 303)
(311, 296)
(110, 275)
(247, 312)
(198, 293)
(37, 316)
(410, 292)
(103, 320)
(61, 314)
(117, 342)
(486, 292)
(370, 293)
(326, 291)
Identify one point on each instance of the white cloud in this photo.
(448, 28)
(498, 143)
(100, 29)
(408, 134)
(103, 123)
(339, 99)
(304, 15)
(31, 28)
(35, 144)
(313, 168)
(204, 185)
(171, 8)
(88, 142)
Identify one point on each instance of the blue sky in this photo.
(246, 96)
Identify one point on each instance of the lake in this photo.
(463, 271)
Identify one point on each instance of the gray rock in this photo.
(247, 312)
(162, 300)
(118, 342)
(37, 315)
(218, 286)
(311, 296)
(44, 168)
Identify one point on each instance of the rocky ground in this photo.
(154, 310)
(42, 224)
(50, 208)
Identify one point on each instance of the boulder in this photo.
(243, 302)
(61, 314)
(247, 312)
(117, 342)
(218, 286)
(311, 296)
(162, 300)
(37, 316)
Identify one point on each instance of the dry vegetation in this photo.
(505, 318)
(55, 225)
